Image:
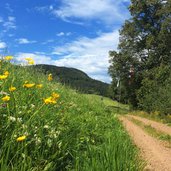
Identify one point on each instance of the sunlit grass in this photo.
(110, 104)
(46, 126)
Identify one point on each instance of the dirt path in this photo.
(158, 126)
(157, 156)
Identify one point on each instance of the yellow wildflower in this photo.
(6, 73)
(39, 85)
(28, 85)
(28, 59)
(31, 62)
(50, 78)
(8, 58)
(12, 88)
(22, 138)
(3, 77)
(49, 100)
(55, 96)
(6, 98)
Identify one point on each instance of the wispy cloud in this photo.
(25, 41)
(1, 20)
(8, 7)
(63, 34)
(109, 11)
(3, 45)
(11, 18)
(48, 41)
(10, 23)
(38, 57)
(89, 55)
(78, 12)
(44, 8)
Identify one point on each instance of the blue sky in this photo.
(71, 33)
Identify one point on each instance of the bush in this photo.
(155, 92)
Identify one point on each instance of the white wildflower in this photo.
(11, 118)
(46, 126)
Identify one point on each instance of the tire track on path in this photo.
(158, 126)
(157, 157)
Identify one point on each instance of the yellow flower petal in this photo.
(27, 85)
(50, 78)
(31, 62)
(28, 59)
(6, 98)
(6, 73)
(12, 88)
(55, 95)
(3, 77)
(8, 58)
(49, 100)
(39, 85)
(22, 138)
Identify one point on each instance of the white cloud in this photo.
(109, 11)
(38, 57)
(63, 34)
(8, 7)
(48, 41)
(25, 41)
(11, 35)
(60, 34)
(44, 8)
(11, 18)
(10, 23)
(89, 55)
(2, 45)
(1, 20)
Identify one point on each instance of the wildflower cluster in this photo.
(52, 99)
(13, 90)
(4, 75)
(39, 130)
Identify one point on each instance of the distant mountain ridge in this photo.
(76, 79)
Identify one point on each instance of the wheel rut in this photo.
(156, 156)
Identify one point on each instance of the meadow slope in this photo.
(47, 126)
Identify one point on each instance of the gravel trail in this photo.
(157, 157)
(158, 126)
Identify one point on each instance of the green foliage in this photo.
(75, 133)
(155, 92)
(144, 45)
(76, 79)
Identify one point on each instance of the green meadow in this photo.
(45, 126)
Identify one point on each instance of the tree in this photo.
(145, 41)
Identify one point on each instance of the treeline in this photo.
(76, 79)
(141, 69)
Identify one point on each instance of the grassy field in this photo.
(110, 104)
(45, 126)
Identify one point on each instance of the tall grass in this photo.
(69, 133)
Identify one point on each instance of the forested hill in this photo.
(76, 79)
